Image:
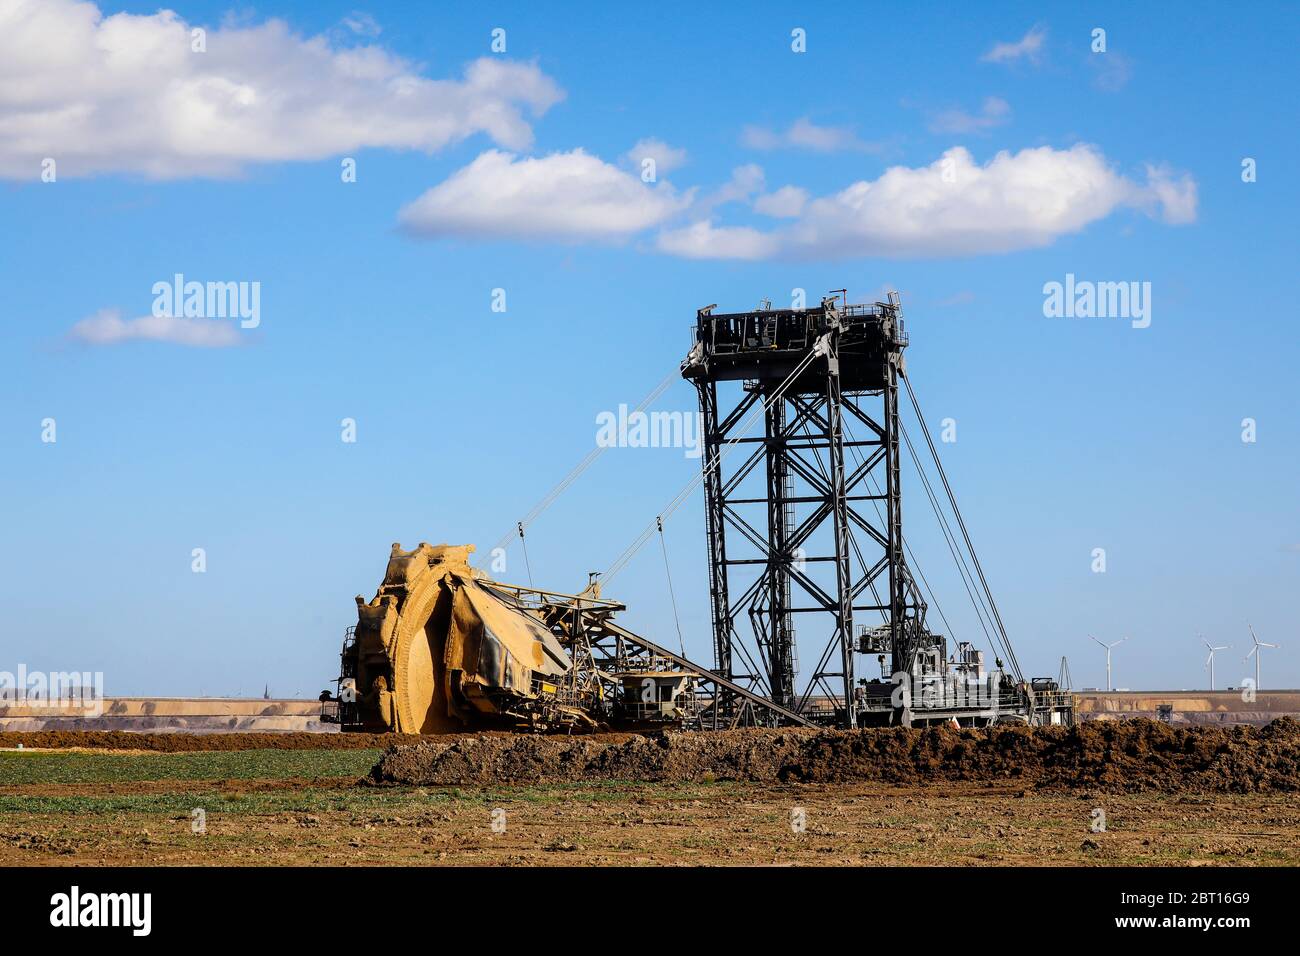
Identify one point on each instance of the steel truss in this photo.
(602, 650)
(802, 543)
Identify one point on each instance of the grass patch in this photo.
(351, 799)
(308, 800)
(53, 767)
(599, 791)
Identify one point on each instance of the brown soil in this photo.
(969, 799)
(1130, 756)
(722, 824)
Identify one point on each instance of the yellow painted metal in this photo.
(436, 651)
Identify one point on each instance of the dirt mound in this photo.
(1118, 756)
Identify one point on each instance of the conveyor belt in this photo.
(758, 700)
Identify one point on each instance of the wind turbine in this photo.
(1254, 652)
(1109, 648)
(1209, 661)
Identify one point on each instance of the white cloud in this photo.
(109, 328)
(703, 240)
(953, 207)
(745, 182)
(786, 203)
(994, 112)
(126, 93)
(1029, 47)
(362, 24)
(1172, 195)
(569, 196)
(667, 158)
(805, 134)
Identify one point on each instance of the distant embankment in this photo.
(195, 715)
(1188, 707)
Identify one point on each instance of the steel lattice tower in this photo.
(797, 529)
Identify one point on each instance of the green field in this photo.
(31, 767)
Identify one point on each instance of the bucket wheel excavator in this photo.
(442, 648)
(434, 651)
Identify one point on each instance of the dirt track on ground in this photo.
(1132, 756)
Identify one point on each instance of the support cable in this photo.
(950, 538)
(582, 466)
(527, 565)
(681, 641)
(977, 599)
(715, 462)
(913, 563)
(1015, 665)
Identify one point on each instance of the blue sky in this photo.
(1073, 434)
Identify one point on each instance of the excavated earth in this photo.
(1130, 756)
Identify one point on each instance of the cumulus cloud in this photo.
(667, 158)
(362, 24)
(953, 207)
(126, 93)
(785, 203)
(107, 327)
(568, 196)
(1171, 195)
(1029, 47)
(805, 134)
(703, 240)
(994, 112)
(745, 182)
